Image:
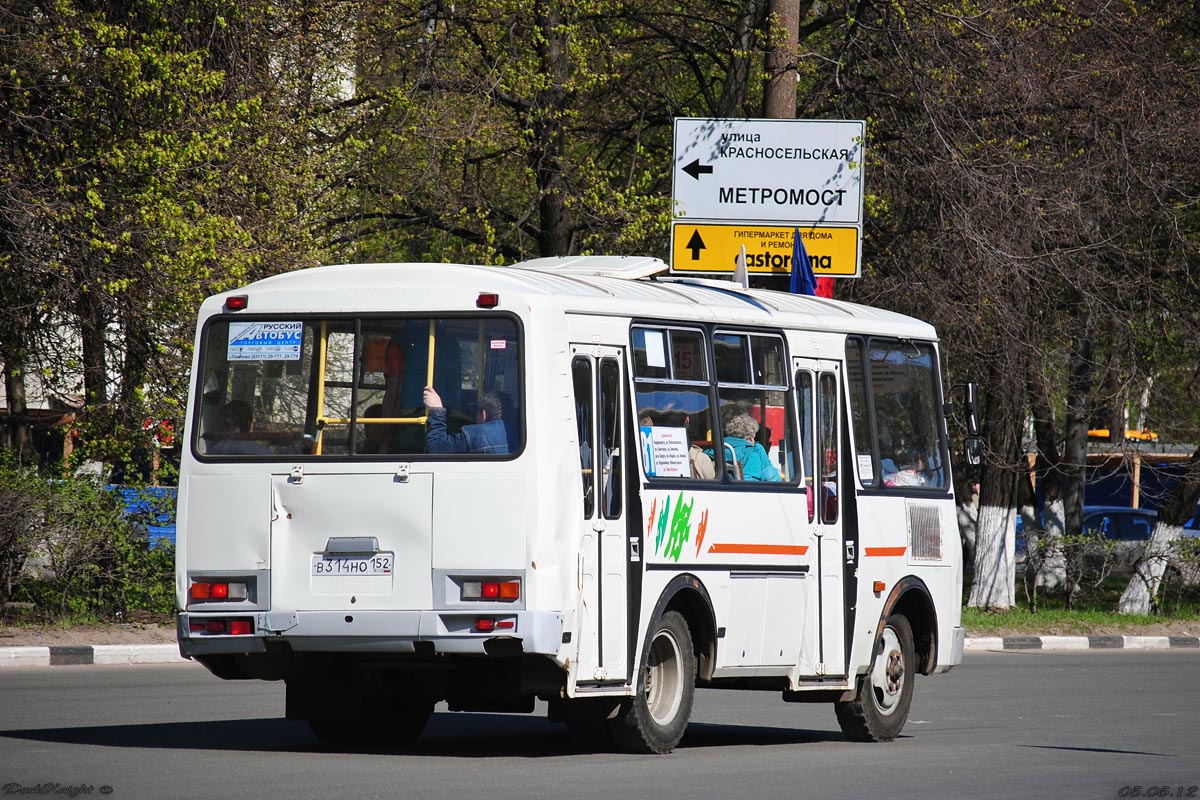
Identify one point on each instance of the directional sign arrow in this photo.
(696, 244)
(696, 169)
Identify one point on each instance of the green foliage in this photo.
(1098, 569)
(144, 169)
(67, 547)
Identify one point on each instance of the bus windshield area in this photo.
(356, 388)
(895, 408)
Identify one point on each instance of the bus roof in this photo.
(606, 285)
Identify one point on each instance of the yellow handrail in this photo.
(429, 364)
(375, 420)
(320, 421)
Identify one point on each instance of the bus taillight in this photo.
(206, 591)
(490, 624)
(491, 590)
(222, 627)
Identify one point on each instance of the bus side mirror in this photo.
(973, 444)
(973, 453)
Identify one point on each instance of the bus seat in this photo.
(733, 462)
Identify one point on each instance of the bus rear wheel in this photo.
(880, 709)
(655, 719)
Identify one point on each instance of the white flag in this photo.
(740, 276)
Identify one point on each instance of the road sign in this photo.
(714, 247)
(769, 170)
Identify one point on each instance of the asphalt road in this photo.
(1016, 724)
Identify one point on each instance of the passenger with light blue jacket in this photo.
(755, 464)
(488, 437)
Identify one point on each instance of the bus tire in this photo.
(397, 728)
(655, 719)
(880, 709)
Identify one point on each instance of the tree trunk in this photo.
(779, 98)
(994, 584)
(16, 430)
(1079, 390)
(554, 237)
(91, 328)
(1046, 536)
(968, 524)
(734, 90)
(1140, 595)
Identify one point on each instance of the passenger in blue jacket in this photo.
(756, 465)
(487, 437)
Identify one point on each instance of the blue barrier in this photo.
(153, 509)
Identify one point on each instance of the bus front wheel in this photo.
(880, 709)
(655, 719)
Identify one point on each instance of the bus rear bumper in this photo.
(483, 632)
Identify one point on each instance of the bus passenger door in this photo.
(597, 375)
(818, 401)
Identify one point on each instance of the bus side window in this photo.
(581, 376)
(610, 436)
(804, 468)
(860, 416)
(827, 452)
(752, 388)
(674, 415)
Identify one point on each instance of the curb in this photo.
(86, 655)
(1083, 643)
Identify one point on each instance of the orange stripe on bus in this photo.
(885, 551)
(761, 549)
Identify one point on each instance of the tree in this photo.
(1139, 596)
(144, 177)
(505, 129)
(1029, 201)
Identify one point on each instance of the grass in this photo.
(1065, 622)
(1094, 613)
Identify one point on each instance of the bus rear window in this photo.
(355, 388)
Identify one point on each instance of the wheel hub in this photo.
(895, 671)
(888, 674)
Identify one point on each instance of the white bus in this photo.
(623, 486)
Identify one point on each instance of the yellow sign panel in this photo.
(712, 247)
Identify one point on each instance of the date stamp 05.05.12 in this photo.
(1159, 790)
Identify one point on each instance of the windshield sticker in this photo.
(665, 451)
(265, 341)
(866, 470)
(656, 349)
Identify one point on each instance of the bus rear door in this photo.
(598, 377)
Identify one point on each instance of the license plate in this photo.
(351, 566)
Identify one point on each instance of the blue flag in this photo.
(803, 279)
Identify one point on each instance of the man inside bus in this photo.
(375, 436)
(486, 437)
(237, 421)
